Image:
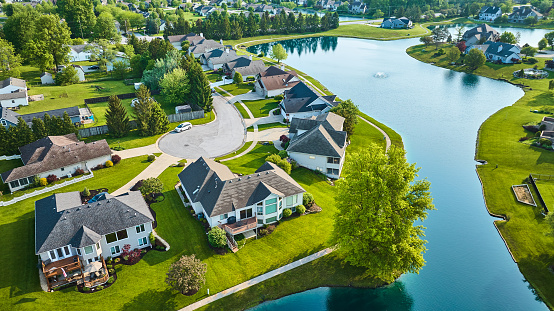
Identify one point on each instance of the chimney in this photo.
(283, 67)
(250, 57)
(227, 50)
(221, 41)
(202, 34)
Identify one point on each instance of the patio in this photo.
(241, 226)
(61, 272)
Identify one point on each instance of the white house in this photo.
(178, 40)
(13, 93)
(69, 235)
(78, 53)
(520, 13)
(275, 81)
(319, 143)
(303, 102)
(357, 7)
(215, 59)
(56, 155)
(490, 13)
(46, 78)
(504, 52)
(396, 23)
(239, 205)
(80, 72)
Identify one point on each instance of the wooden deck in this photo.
(54, 274)
(241, 226)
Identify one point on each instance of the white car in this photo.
(183, 127)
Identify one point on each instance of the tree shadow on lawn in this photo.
(545, 156)
(543, 99)
(153, 300)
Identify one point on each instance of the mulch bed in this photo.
(130, 263)
(313, 209)
(92, 194)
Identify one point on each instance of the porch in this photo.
(241, 226)
(61, 272)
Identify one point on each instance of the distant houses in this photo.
(303, 102)
(79, 53)
(357, 7)
(13, 93)
(519, 14)
(503, 52)
(77, 115)
(396, 23)
(480, 34)
(46, 78)
(178, 40)
(490, 13)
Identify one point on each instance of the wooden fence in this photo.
(532, 179)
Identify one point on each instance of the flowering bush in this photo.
(43, 182)
(132, 256)
(116, 159)
(109, 163)
(51, 178)
(78, 172)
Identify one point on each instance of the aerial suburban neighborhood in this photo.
(283, 155)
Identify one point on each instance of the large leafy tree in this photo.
(378, 202)
(550, 38)
(349, 111)
(175, 86)
(508, 37)
(50, 43)
(200, 90)
(103, 52)
(475, 59)
(105, 28)
(187, 275)
(79, 15)
(117, 119)
(19, 28)
(153, 76)
(278, 52)
(67, 76)
(151, 186)
(9, 60)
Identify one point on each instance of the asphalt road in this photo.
(222, 136)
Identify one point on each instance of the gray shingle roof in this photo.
(8, 115)
(60, 219)
(300, 99)
(204, 45)
(490, 10)
(500, 48)
(219, 56)
(319, 141)
(188, 37)
(14, 95)
(13, 81)
(220, 192)
(71, 111)
(482, 29)
(329, 120)
(245, 66)
(54, 152)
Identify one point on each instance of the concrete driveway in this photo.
(214, 139)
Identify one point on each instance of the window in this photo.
(67, 251)
(14, 184)
(224, 216)
(142, 241)
(88, 250)
(98, 246)
(62, 169)
(23, 181)
(332, 160)
(4, 123)
(260, 210)
(122, 234)
(60, 253)
(272, 219)
(95, 258)
(312, 158)
(269, 209)
(52, 255)
(140, 228)
(111, 237)
(115, 250)
(280, 204)
(260, 221)
(78, 251)
(246, 213)
(289, 201)
(333, 171)
(116, 236)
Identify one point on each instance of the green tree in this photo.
(378, 202)
(175, 86)
(278, 52)
(7, 142)
(475, 59)
(150, 117)
(151, 186)
(508, 37)
(187, 275)
(120, 69)
(550, 38)
(531, 20)
(426, 40)
(543, 43)
(50, 44)
(117, 119)
(67, 126)
(158, 123)
(200, 90)
(79, 15)
(67, 76)
(152, 77)
(452, 54)
(39, 128)
(217, 237)
(9, 60)
(529, 51)
(349, 111)
(378, 14)
(105, 28)
(102, 52)
(282, 163)
(23, 134)
(20, 28)
(237, 78)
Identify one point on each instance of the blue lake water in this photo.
(438, 113)
(529, 36)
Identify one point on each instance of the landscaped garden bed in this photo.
(523, 194)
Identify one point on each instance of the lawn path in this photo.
(387, 138)
(257, 280)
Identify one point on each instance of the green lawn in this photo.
(260, 108)
(213, 77)
(364, 134)
(546, 187)
(237, 89)
(232, 154)
(267, 126)
(525, 231)
(249, 163)
(6, 166)
(242, 111)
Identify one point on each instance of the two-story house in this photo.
(490, 13)
(396, 23)
(215, 59)
(70, 235)
(197, 48)
(275, 81)
(303, 102)
(480, 34)
(13, 93)
(245, 66)
(520, 13)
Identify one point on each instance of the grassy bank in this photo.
(525, 230)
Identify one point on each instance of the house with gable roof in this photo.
(274, 81)
(396, 23)
(303, 102)
(69, 235)
(504, 52)
(13, 93)
(245, 66)
(519, 14)
(490, 13)
(79, 53)
(9, 118)
(197, 48)
(319, 143)
(177, 40)
(215, 59)
(480, 34)
(239, 204)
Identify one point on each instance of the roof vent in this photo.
(239, 179)
(78, 209)
(99, 203)
(135, 214)
(128, 211)
(248, 177)
(88, 206)
(267, 172)
(258, 174)
(108, 201)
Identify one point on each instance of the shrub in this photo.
(111, 271)
(524, 138)
(109, 260)
(181, 164)
(43, 182)
(237, 78)
(300, 209)
(130, 255)
(263, 231)
(116, 159)
(187, 275)
(283, 154)
(538, 134)
(125, 258)
(109, 163)
(532, 60)
(78, 172)
(307, 199)
(282, 163)
(110, 280)
(51, 178)
(86, 289)
(152, 238)
(151, 158)
(99, 287)
(284, 138)
(542, 127)
(262, 54)
(86, 192)
(287, 212)
(117, 260)
(278, 97)
(217, 237)
(545, 142)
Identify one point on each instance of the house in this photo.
(178, 40)
(120, 57)
(328, 4)
(480, 34)
(13, 93)
(245, 66)
(274, 81)
(520, 13)
(262, 8)
(69, 235)
(490, 13)
(8, 117)
(204, 10)
(286, 10)
(79, 53)
(46, 78)
(55, 155)
(396, 23)
(239, 204)
(319, 143)
(504, 52)
(215, 59)
(76, 114)
(357, 7)
(482, 47)
(303, 102)
(197, 48)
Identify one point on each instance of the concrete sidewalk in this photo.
(135, 152)
(257, 280)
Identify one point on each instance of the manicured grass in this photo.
(213, 77)
(237, 89)
(249, 163)
(261, 108)
(232, 154)
(364, 135)
(267, 126)
(546, 187)
(242, 111)
(6, 166)
(525, 231)
(395, 138)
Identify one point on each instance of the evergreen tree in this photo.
(200, 90)
(67, 125)
(158, 122)
(50, 127)
(6, 142)
(143, 109)
(39, 129)
(23, 134)
(116, 117)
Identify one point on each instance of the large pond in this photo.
(438, 113)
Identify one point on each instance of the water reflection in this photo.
(393, 297)
(470, 80)
(300, 46)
